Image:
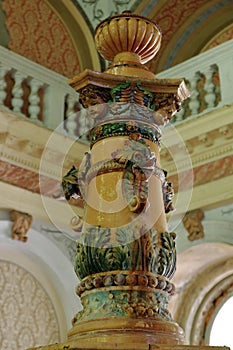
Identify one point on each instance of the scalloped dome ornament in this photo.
(126, 39)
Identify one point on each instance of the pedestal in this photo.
(74, 345)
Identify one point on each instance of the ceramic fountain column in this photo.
(126, 256)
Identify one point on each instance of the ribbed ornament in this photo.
(128, 32)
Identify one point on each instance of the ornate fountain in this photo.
(125, 257)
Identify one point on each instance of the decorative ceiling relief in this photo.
(37, 33)
(97, 11)
(28, 317)
(169, 18)
(172, 14)
(225, 35)
(180, 21)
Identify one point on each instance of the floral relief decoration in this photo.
(37, 33)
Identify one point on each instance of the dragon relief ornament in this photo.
(138, 164)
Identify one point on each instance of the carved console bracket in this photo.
(21, 224)
(193, 224)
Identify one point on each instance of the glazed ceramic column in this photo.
(125, 258)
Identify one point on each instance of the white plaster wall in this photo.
(49, 265)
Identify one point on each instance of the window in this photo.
(221, 332)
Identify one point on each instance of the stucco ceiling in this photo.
(59, 35)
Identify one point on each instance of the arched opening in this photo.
(203, 290)
(221, 330)
(37, 289)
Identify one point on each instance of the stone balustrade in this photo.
(44, 96)
(35, 92)
(209, 77)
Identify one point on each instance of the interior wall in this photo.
(203, 279)
(37, 291)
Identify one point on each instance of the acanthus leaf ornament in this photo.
(125, 256)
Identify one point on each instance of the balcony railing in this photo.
(209, 77)
(43, 96)
(35, 92)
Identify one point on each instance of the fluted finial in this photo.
(137, 37)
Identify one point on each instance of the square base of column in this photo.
(79, 345)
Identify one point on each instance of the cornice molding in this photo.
(206, 138)
(37, 149)
(46, 209)
(40, 151)
(24, 143)
(207, 196)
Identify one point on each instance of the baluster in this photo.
(3, 84)
(85, 124)
(78, 124)
(179, 116)
(71, 125)
(34, 99)
(216, 82)
(194, 102)
(71, 101)
(184, 108)
(71, 116)
(210, 96)
(17, 91)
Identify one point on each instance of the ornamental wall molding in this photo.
(26, 144)
(209, 278)
(202, 152)
(207, 138)
(22, 143)
(209, 308)
(212, 228)
(192, 222)
(46, 209)
(220, 193)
